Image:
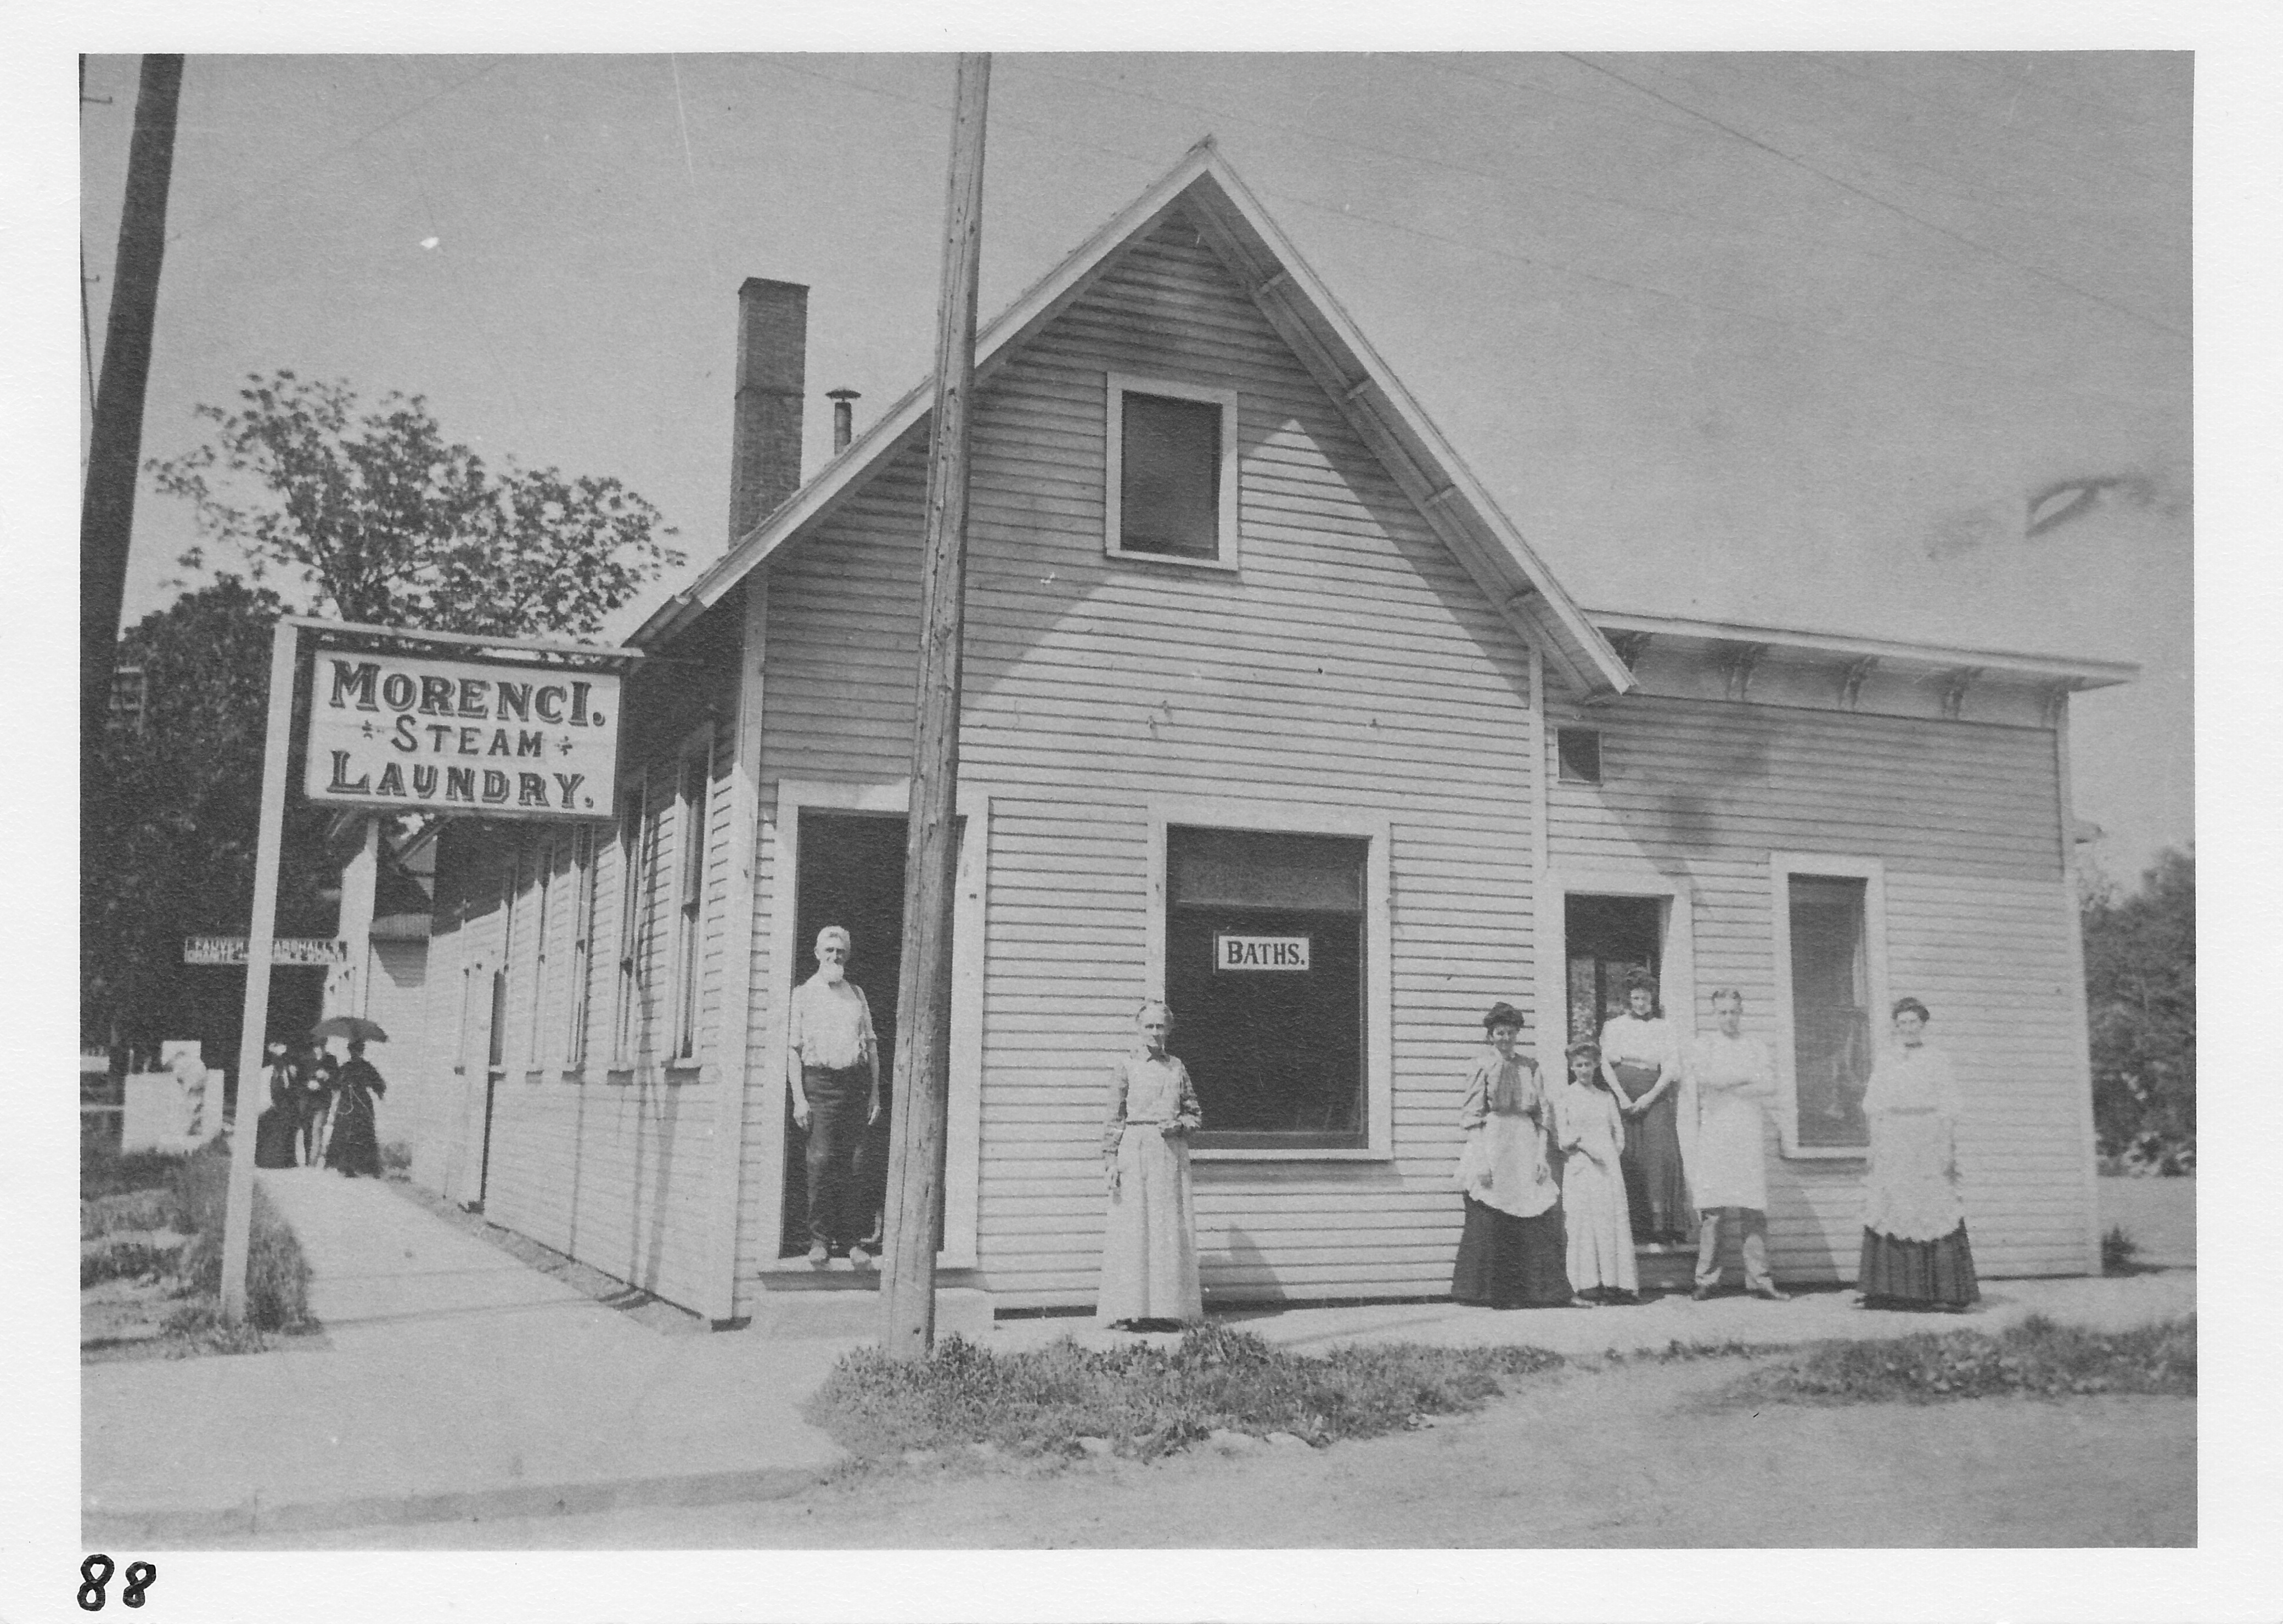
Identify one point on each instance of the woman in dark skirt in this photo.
(1915, 1254)
(354, 1145)
(1640, 1059)
(273, 1130)
(1513, 1252)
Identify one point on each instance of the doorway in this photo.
(1607, 940)
(850, 872)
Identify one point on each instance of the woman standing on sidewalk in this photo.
(1511, 1252)
(1915, 1254)
(1600, 1252)
(354, 1145)
(1149, 1244)
(1642, 1060)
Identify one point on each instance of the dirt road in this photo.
(1638, 1457)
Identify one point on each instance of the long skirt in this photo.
(1656, 1188)
(1600, 1252)
(274, 1138)
(1917, 1274)
(355, 1147)
(1511, 1262)
(1150, 1245)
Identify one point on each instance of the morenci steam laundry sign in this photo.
(499, 740)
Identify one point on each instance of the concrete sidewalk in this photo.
(457, 1383)
(1810, 1316)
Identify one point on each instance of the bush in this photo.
(396, 1160)
(277, 1274)
(1151, 1400)
(2036, 1358)
(2117, 1251)
(123, 1260)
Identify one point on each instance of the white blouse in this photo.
(1630, 1040)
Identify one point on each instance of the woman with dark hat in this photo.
(1915, 1254)
(1511, 1254)
(1641, 1061)
(354, 1145)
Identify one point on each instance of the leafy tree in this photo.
(167, 839)
(2140, 999)
(393, 525)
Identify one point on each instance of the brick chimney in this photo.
(772, 376)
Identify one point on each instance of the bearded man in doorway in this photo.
(832, 1064)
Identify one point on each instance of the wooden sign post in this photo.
(261, 929)
(922, 1060)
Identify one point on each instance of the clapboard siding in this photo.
(1964, 822)
(1351, 663)
(607, 1161)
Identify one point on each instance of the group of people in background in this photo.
(321, 1111)
(1650, 1139)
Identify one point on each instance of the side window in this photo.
(583, 946)
(1265, 945)
(695, 787)
(1169, 487)
(1830, 914)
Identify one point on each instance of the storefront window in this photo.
(1830, 1004)
(1265, 968)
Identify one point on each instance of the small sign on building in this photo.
(1236, 952)
(499, 740)
(324, 952)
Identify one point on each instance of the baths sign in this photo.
(1240, 952)
(455, 737)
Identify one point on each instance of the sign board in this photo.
(498, 741)
(1234, 952)
(325, 952)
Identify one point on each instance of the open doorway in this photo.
(1607, 940)
(851, 874)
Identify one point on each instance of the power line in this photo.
(1001, 120)
(247, 200)
(1872, 197)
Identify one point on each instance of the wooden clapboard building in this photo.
(1268, 708)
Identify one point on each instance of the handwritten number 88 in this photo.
(97, 1572)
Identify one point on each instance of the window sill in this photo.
(537, 1074)
(1226, 566)
(1230, 1153)
(1827, 1153)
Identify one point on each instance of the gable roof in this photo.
(1384, 414)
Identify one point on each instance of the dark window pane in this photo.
(1276, 1053)
(1169, 491)
(1580, 751)
(1831, 1017)
(1251, 869)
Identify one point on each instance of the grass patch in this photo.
(1145, 1401)
(2036, 1358)
(126, 1201)
(277, 1274)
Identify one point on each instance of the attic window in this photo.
(1580, 750)
(1170, 485)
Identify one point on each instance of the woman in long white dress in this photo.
(1915, 1253)
(1150, 1245)
(1593, 1209)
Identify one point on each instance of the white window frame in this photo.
(584, 863)
(1820, 865)
(1294, 818)
(692, 828)
(1676, 979)
(791, 963)
(1120, 386)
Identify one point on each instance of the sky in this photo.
(1788, 339)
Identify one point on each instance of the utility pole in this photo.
(923, 1059)
(114, 450)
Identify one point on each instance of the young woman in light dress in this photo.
(1600, 1237)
